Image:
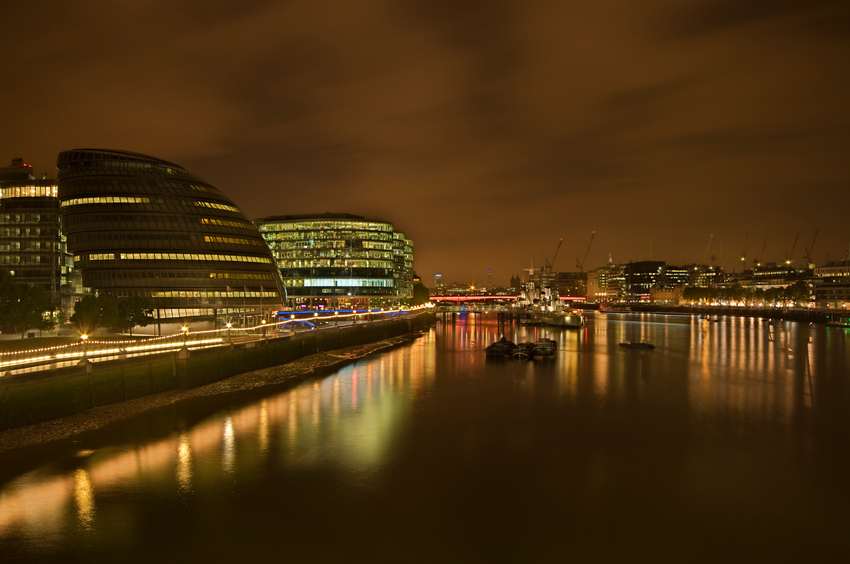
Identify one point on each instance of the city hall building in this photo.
(340, 260)
(140, 226)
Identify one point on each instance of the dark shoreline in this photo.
(97, 417)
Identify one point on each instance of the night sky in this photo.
(485, 130)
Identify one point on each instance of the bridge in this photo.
(472, 308)
(486, 298)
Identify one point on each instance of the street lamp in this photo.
(229, 325)
(84, 337)
(185, 330)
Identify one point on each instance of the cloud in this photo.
(486, 130)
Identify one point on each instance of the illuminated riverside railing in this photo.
(87, 347)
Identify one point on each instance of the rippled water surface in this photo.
(729, 441)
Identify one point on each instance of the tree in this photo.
(133, 312)
(420, 294)
(23, 306)
(93, 312)
(799, 293)
(773, 295)
(8, 295)
(736, 294)
(34, 309)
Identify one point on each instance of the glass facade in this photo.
(339, 259)
(140, 226)
(642, 276)
(32, 249)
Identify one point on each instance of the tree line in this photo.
(95, 312)
(797, 293)
(25, 307)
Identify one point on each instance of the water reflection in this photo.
(684, 417)
(184, 464)
(84, 498)
(264, 426)
(228, 446)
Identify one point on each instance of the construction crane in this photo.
(761, 254)
(790, 257)
(705, 254)
(808, 254)
(549, 265)
(580, 263)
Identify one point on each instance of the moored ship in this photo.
(542, 306)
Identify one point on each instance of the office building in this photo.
(340, 260)
(831, 285)
(607, 283)
(32, 249)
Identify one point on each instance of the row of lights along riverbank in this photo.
(180, 340)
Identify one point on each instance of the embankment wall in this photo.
(39, 396)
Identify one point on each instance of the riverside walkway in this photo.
(91, 350)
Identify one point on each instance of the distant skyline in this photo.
(484, 130)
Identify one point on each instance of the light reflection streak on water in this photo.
(184, 464)
(354, 390)
(84, 498)
(336, 393)
(228, 454)
(315, 406)
(264, 427)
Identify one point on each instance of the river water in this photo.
(728, 441)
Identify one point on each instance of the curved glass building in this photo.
(141, 226)
(336, 259)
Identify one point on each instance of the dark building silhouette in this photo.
(515, 285)
(141, 226)
(642, 276)
(573, 284)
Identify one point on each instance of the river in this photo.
(729, 441)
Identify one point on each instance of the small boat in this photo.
(544, 349)
(501, 347)
(523, 351)
(638, 345)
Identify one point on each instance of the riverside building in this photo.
(831, 285)
(606, 283)
(340, 260)
(32, 249)
(139, 226)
